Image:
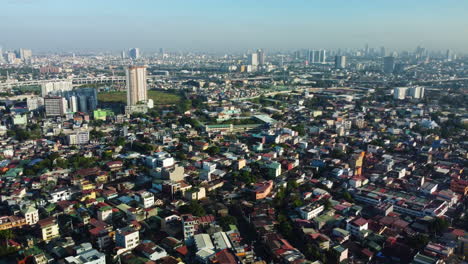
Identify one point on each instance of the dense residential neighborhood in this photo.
(281, 160)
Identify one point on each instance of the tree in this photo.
(120, 141)
(418, 241)
(193, 208)
(226, 221)
(347, 196)
(213, 150)
(438, 225)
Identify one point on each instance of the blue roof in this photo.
(34, 162)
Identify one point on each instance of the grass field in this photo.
(159, 98)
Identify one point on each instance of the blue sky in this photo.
(233, 25)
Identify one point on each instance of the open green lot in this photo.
(159, 98)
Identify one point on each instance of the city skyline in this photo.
(50, 25)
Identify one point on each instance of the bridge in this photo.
(75, 81)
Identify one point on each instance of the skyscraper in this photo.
(253, 59)
(25, 54)
(323, 56)
(1, 54)
(340, 62)
(136, 85)
(388, 64)
(134, 53)
(383, 53)
(449, 55)
(315, 56)
(261, 57)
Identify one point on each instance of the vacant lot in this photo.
(159, 98)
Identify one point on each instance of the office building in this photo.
(340, 62)
(388, 64)
(261, 57)
(134, 53)
(253, 59)
(55, 87)
(55, 106)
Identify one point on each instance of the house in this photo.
(310, 211)
(31, 215)
(263, 189)
(195, 193)
(145, 198)
(357, 227)
(49, 228)
(86, 254)
(126, 238)
(150, 250)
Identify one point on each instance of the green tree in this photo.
(225, 221)
(347, 196)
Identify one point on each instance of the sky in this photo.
(232, 25)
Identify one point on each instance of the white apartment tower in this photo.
(253, 59)
(136, 85)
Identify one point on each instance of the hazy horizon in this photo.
(208, 25)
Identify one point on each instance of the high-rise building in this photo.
(35, 103)
(253, 59)
(72, 104)
(315, 56)
(136, 85)
(82, 99)
(399, 68)
(55, 106)
(399, 93)
(340, 62)
(54, 87)
(134, 53)
(382, 52)
(123, 55)
(416, 92)
(388, 64)
(449, 55)
(24, 54)
(261, 57)
(323, 56)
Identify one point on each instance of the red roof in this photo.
(183, 250)
(360, 221)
